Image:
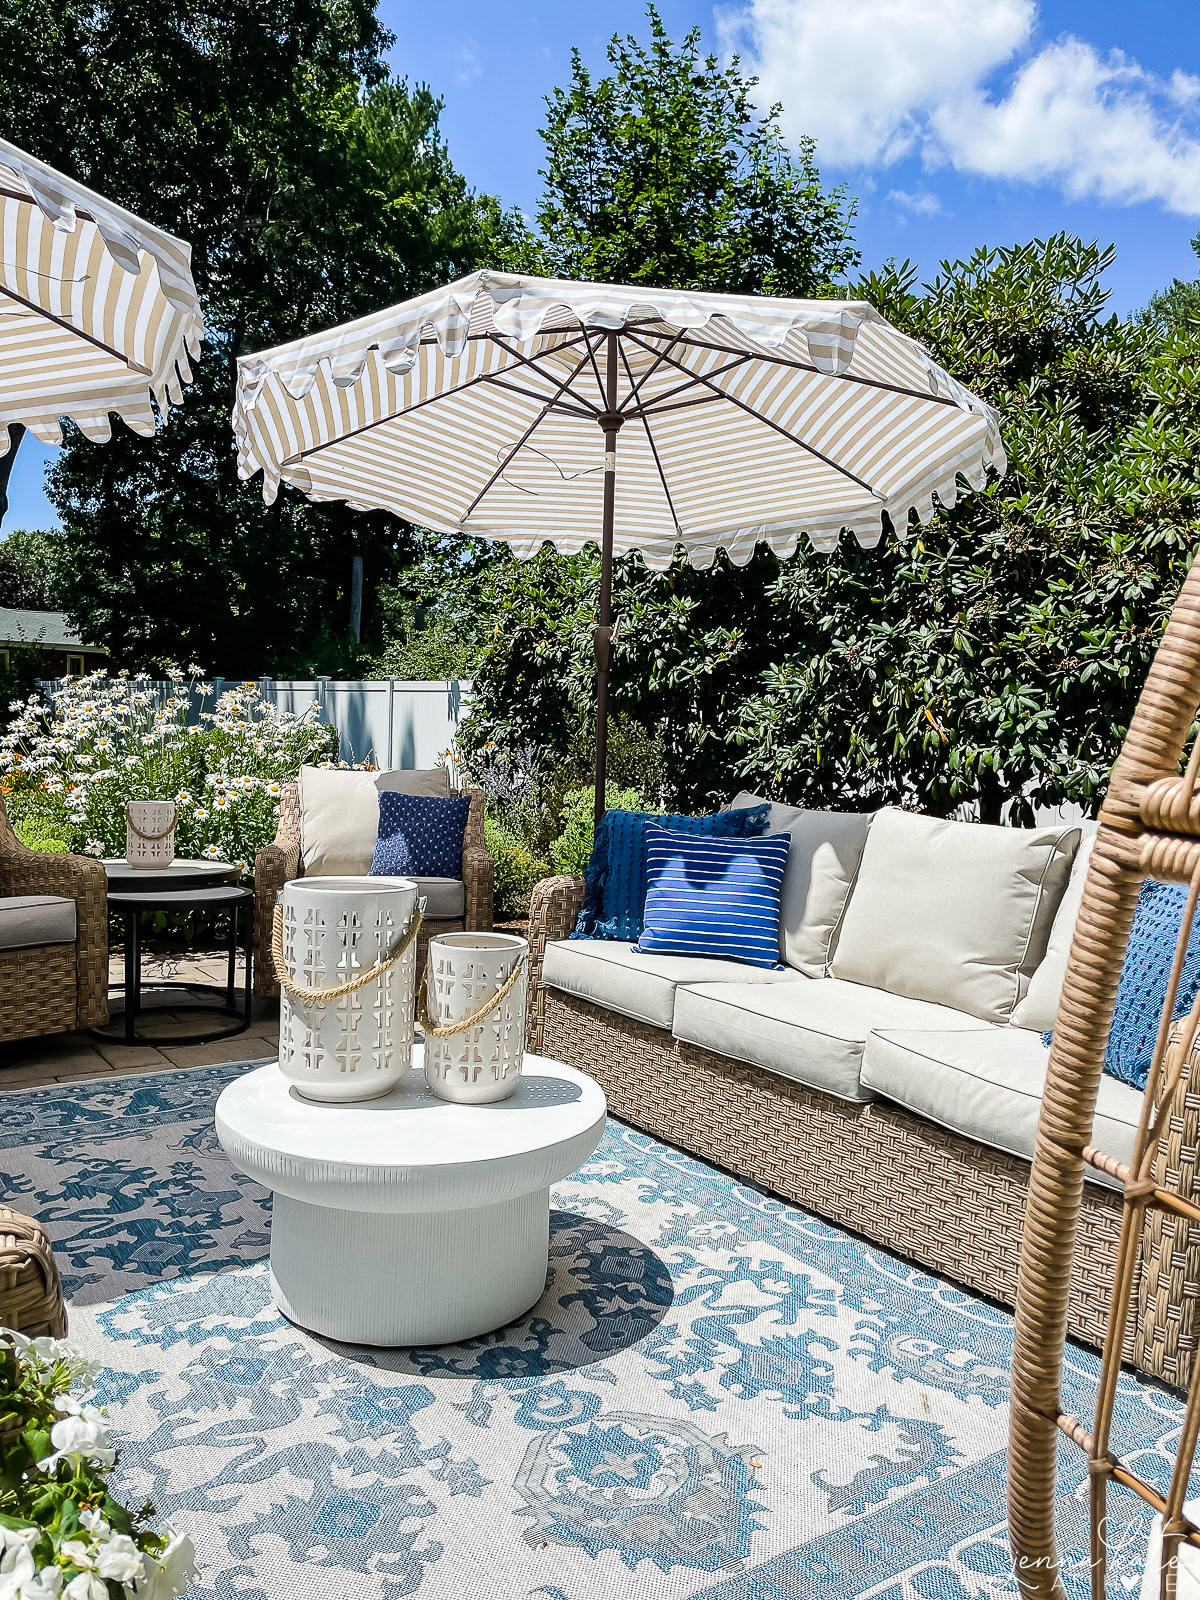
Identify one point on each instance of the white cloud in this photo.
(963, 82)
(919, 201)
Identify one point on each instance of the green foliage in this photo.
(28, 570)
(72, 767)
(425, 642)
(516, 868)
(313, 189)
(573, 847)
(1178, 305)
(61, 1527)
(663, 172)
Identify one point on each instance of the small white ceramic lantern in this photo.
(359, 1045)
(150, 833)
(465, 971)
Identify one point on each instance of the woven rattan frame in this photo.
(1150, 826)
(31, 1297)
(279, 862)
(56, 987)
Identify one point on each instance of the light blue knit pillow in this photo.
(615, 877)
(713, 897)
(1144, 976)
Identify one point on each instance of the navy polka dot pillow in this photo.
(420, 836)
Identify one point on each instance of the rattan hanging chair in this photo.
(1149, 827)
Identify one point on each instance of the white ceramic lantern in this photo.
(357, 1045)
(465, 972)
(150, 833)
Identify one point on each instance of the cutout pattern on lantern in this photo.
(465, 971)
(358, 1045)
(150, 833)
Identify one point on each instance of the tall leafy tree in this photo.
(313, 189)
(1179, 303)
(660, 171)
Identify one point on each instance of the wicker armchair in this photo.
(54, 988)
(279, 862)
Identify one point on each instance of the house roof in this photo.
(48, 628)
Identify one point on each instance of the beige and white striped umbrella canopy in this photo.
(98, 311)
(487, 407)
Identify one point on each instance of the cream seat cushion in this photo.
(823, 859)
(32, 919)
(812, 1031)
(987, 1083)
(611, 973)
(954, 912)
(1039, 1007)
(339, 814)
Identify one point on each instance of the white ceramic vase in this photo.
(465, 970)
(150, 833)
(360, 1045)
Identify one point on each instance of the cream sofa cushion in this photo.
(611, 973)
(953, 912)
(812, 1031)
(822, 861)
(987, 1083)
(1039, 1007)
(339, 814)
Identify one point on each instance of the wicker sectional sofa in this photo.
(909, 1119)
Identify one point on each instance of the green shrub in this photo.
(516, 869)
(570, 851)
(38, 832)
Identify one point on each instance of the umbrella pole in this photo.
(610, 421)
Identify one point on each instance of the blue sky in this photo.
(955, 122)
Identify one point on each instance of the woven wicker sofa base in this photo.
(40, 990)
(951, 1205)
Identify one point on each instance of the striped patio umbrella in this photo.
(98, 311)
(532, 410)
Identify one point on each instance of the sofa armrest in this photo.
(553, 909)
(274, 865)
(78, 878)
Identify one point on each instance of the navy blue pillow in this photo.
(1144, 976)
(713, 897)
(615, 878)
(420, 836)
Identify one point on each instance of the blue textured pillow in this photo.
(713, 897)
(615, 878)
(420, 836)
(1144, 976)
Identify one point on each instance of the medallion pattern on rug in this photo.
(717, 1398)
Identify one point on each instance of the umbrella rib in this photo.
(549, 377)
(806, 366)
(532, 394)
(645, 421)
(649, 372)
(525, 437)
(681, 388)
(758, 416)
(80, 333)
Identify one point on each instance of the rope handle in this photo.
(322, 997)
(150, 838)
(447, 1030)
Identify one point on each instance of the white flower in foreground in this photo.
(16, 1570)
(75, 1551)
(44, 1585)
(211, 852)
(80, 1436)
(86, 1586)
(93, 848)
(168, 1575)
(119, 1558)
(200, 813)
(94, 1522)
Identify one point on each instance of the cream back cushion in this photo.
(339, 814)
(822, 861)
(954, 912)
(1039, 1008)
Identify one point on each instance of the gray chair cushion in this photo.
(31, 919)
(812, 1031)
(987, 1083)
(447, 897)
(613, 974)
(822, 861)
(954, 912)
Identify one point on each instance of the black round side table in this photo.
(183, 886)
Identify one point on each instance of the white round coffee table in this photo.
(407, 1219)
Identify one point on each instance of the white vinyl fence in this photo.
(393, 721)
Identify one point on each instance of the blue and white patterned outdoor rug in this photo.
(718, 1397)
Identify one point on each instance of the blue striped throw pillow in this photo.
(713, 897)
